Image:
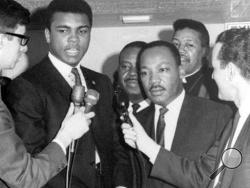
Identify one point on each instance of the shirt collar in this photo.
(62, 67)
(244, 108)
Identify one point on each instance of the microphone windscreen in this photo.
(77, 95)
(91, 97)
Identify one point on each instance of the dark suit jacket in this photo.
(39, 100)
(201, 84)
(200, 122)
(17, 168)
(186, 173)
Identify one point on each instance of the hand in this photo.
(137, 137)
(74, 125)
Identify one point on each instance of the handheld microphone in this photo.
(122, 103)
(77, 97)
(90, 99)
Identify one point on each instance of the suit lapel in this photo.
(182, 125)
(240, 143)
(55, 81)
(146, 118)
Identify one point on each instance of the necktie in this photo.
(160, 127)
(235, 123)
(77, 76)
(135, 107)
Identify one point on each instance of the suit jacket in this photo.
(200, 122)
(186, 173)
(39, 100)
(18, 168)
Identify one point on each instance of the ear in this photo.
(47, 35)
(232, 71)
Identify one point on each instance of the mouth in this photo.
(157, 90)
(131, 81)
(72, 52)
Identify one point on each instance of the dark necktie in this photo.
(235, 123)
(160, 127)
(77, 76)
(135, 107)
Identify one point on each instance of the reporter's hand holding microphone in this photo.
(74, 125)
(137, 137)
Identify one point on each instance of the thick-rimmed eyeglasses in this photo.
(24, 39)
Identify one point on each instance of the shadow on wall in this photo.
(37, 47)
(110, 65)
(166, 35)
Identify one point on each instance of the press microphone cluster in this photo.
(80, 98)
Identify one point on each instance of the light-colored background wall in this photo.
(102, 55)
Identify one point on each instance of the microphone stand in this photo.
(77, 98)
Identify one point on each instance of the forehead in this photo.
(187, 34)
(130, 51)
(157, 55)
(69, 19)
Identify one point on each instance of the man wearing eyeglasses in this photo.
(17, 167)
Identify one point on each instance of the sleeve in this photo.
(183, 172)
(18, 168)
(26, 105)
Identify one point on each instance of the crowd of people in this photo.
(165, 122)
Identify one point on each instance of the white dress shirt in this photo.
(143, 104)
(171, 118)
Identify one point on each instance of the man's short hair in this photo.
(236, 49)
(199, 27)
(12, 13)
(67, 6)
(161, 43)
(134, 44)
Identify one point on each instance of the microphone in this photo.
(90, 99)
(77, 97)
(122, 103)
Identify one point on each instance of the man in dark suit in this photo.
(17, 167)
(192, 123)
(39, 98)
(230, 60)
(192, 40)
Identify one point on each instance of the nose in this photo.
(73, 37)
(154, 78)
(182, 48)
(133, 71)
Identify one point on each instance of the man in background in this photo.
(39, 98)
(128, 76)
(192, 40)
(17, 167)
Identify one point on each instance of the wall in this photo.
(102, 55)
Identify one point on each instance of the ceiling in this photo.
(108, 13)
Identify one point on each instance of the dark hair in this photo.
(67, 6)
(12, 13)
(161, 43)
(134, 44)
(236, 49)
(195, 25)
